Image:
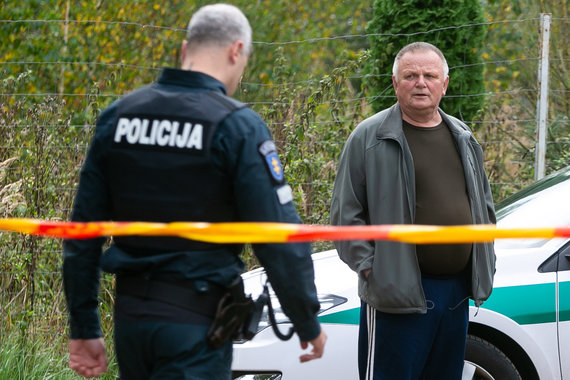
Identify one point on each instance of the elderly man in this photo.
(414, 164)
(182, 150)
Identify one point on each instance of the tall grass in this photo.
(31, 357)
(34, 343)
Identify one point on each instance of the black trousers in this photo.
(155, 340)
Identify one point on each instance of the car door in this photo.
(563, 306)
(559, 262)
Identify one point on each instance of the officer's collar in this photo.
(189, 78)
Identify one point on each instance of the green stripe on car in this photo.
(525, 304)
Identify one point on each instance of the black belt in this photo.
(197, 296)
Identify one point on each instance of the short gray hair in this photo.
(415, 46)
(219, 24)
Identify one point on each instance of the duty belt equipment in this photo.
(198, 296)
(235, 315)
(238, 317)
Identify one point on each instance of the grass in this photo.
(34, 337)
(25, 357)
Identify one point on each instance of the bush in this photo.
(395, 24)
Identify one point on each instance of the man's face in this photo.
(420, 82)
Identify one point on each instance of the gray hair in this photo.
(219, 24)
(423, 46)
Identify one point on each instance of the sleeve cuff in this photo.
(308, 330)
(84, 331)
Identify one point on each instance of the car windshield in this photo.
(543, 204)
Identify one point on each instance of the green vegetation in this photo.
(313, 76)
(397, 23)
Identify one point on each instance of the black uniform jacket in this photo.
(243, 155)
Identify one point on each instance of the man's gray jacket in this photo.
(375, 184)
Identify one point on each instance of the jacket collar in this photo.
(455, 126)
(390, 123)
(191, 79)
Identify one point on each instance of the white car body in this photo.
(527, 316)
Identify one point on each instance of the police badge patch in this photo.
(269, 152)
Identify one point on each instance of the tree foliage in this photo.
(447, 24)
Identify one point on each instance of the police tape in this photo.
(263, 232)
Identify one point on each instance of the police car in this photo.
(521, 332)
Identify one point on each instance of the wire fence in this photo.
(59, 75)
(90, 75)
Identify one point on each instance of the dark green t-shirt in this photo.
(441, 195)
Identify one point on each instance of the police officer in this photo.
(182, 150)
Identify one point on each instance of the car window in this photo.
(548, 181)
(546, 204)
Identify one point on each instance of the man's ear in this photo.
(395, 84)
(236, 49)
(445, 83)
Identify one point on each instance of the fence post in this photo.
(542, 107)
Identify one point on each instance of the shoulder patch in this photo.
(285, 194)
(268, 151)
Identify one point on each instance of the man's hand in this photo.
(318, 347)
(87, 357)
